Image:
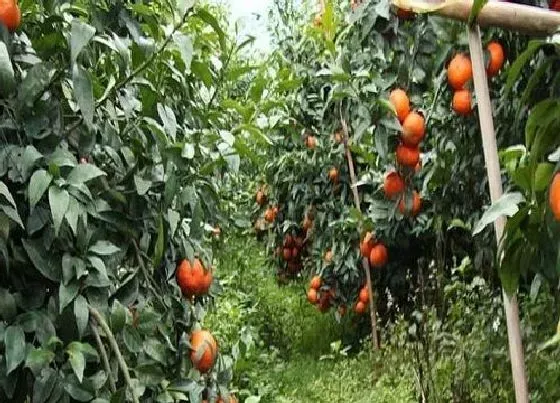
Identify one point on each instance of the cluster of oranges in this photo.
(460, 73)
(363, 300)
(291, 252)
(321, 295)
(10, 14)
(194, 280)
(407, 153)
(374, 250)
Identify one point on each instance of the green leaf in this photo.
(132, 339)
(73, 214)
(4, 191)
(118, 317)
(205, 16)
(12, 214)
(84, 173)
(39, 183)
(83, 91)
(173, 217)
(14, 340)
(543, 176)
(7, 80)
(80, 36)
(142, 185)
(77, 360)
(169, 121)
(98, 276)
(475, 10)
(507, 205)
(517, 66)
(103, 248)
(7, 305)
(58, 200)
(82, 314)
(158, 249)
(184, 5)
(185, 46)
(37, 359)
(66, 294)
(47, 264)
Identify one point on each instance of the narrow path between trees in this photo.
(296, 354)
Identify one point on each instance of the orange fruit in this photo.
(405, 14)
(393, 184)
(408, 156)
(10, 14)
(328, 256)
(338, 137)
(364, 295)
(400, 102)
(295, 252)
(192, 279)
(334, 176)
(360, 308)
(204, 350)
(413, 129)
(459, 71)
(462, 102)
(269, 215)
(496, 60)
(288, 241)
(311, 142)
(378, 256)
(324, 302)
(366, 244)
(287, 254)
(315, 282)
(416, 204)
(298, 241)
(312, 296)
(260, 198)
(554, 196)
(307, 224)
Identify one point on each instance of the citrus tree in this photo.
(115, 147)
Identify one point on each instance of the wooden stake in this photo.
(365, 261)
(495, 183)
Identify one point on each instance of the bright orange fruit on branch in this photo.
(193, 279)
(459, 71)
(334, 175)
(260, 198)
(462, 102)
(10, 14)
(413, 129)
(312, 296)
(408, 156)
(360, 308)
(311, 142)
(269, 215)
(204, 350)
(554, 196)
(416, 204)
(400, 102)
(378, 256)
(366, 244)
(364, 295)
(496, 60)
(393, 184)
(315, 282)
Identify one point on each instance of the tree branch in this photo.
(104, 357)
(113, 342)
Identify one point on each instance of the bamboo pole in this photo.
(365, 262)
(515, 17)
(495, 183)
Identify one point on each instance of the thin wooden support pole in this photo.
(495, 183)
(365, 262)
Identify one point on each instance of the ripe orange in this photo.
(364, 295)
(295, 252)
(334, 176)
(360, 308)
(269, 215)
(287, 254)
(260, 198)
(416, 204)
(288, 241)
(405, 14)
(204, 350)
(400, 102)
(315, 282)
(10, 14)
(298, 241)
(393, 184)
(408, 156)
(378, 256)
(554, 196)
(311, 142)
(459, 71)
(496, 58)
(366, 244)
(337, 137)
(192, 278)
(462, 102)
(328, 256)
(312, 296)
(413, 129)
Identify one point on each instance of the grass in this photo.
(289, 351)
